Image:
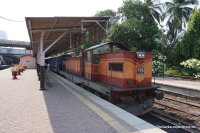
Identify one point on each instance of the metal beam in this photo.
(70, 41)
(30, 27)
(55, 42)
(95, 21)
(38, 56)
(31, 35)
(101, 26)
(88, 21)
(52, 27)
(56, 29)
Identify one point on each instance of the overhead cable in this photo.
(11, 19)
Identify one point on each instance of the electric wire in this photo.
(11, 19)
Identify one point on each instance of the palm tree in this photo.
(176, 17)
(156, 9)
(178, 12)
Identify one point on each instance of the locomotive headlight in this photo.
(140, 55)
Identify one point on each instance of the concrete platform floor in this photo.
(26, 109)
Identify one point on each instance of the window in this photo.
(116, 66)
(95, 58)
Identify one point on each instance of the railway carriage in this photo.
(56, 63)
(111, 71)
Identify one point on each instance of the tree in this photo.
(192, 64)
(189, 46)
(177, 14)
(191, 40)
(138, 30)
(108, 13)
(156, 9)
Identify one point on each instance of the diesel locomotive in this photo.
(111, 71)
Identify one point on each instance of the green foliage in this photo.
(193, 64)
(138, 30)
(156, 10)
(177, 14)
(191, 41)
(133, 9)
(77, 51)
(108, 13)
(175, 55)
(158, 63)
(189, 47)
(173, 72)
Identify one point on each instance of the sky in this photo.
(19, 9)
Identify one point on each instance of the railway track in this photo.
(179, 110)
(180, 101)
(188, 111)
(172, 124)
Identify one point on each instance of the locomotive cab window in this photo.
(116, 67)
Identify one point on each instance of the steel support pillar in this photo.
(38, 70)
(42, 63)
(42, 78)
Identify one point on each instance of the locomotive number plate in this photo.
(140, 70)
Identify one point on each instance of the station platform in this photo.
(192, 84)
(62, 108)
(182, 86)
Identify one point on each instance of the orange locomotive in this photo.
(111, 71)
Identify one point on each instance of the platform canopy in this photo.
(58, 34)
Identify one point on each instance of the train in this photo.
(112, 72)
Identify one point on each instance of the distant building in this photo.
(29, 60)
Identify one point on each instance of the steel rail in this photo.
(174, 121)
(187, 112)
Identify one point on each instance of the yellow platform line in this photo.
(105, 116)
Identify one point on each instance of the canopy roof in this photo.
(64, 33)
